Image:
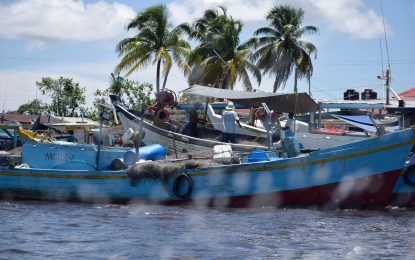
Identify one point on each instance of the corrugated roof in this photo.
(28, 119)
(297, 103)
(408, 94)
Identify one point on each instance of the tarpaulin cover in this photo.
(363, 122)
(296, 103)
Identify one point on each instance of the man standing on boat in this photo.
(194, 119)
(229, 117)
(290, 125)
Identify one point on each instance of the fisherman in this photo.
(229, 117)
(290, 125)
(194, 119)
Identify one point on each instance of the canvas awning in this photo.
(296, 103)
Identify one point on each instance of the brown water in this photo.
(32, 230)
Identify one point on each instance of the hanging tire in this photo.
(406, 173)
(177, 184)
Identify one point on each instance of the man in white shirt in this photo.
(290, 125)
(229, 117)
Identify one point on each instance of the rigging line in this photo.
(5, 94)
(342, 81)
(381, 52)
(384, 32)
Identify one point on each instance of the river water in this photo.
(36, 230)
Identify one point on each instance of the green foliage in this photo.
(280, 49)
(220, 60)
(156, 42)
(187, 98)
(67, 96)
(132, 93)
(34, 107)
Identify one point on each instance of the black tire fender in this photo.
(178, 181)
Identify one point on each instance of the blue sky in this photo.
(77, 38)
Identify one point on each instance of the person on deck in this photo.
(194, 119)
(290, 125)
(229, 117)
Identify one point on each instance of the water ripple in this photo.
(65, 230)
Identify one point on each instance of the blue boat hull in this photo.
(356, 175)
(404, 191)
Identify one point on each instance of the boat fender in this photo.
(406, 173)
(178, 183)
(4, 158)
(117, 164)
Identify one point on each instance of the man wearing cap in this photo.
(229, 117)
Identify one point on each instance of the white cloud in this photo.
(247, 10)
(41, 21)
(352, 17)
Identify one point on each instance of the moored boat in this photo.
(356, 175)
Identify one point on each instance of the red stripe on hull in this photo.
(367, 192)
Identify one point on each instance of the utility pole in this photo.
(387, 79)
(387, 85)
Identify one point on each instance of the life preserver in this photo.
(178, 181)
(406, 174)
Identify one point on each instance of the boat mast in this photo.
(388, 70)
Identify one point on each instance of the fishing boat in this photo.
(312, 138)
(356, 175)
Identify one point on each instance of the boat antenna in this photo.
(384, 33)
(388, 69)
(5, 94)
(381, 53)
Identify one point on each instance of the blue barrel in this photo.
(257, 155)
(150, 153)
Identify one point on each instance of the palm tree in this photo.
(280, 50)
(116, 83)
(156, 42)
(219, 60)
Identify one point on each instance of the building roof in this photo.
(76, 121)
(47, 120)
(408, 95)
(28, 119)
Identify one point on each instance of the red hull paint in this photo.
(368, 192)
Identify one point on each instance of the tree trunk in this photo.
(295, 81)
(165, 78)
(158, 76)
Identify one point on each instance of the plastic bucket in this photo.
(257, 155)
(150, 153)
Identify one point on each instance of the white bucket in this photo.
(127, 135)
